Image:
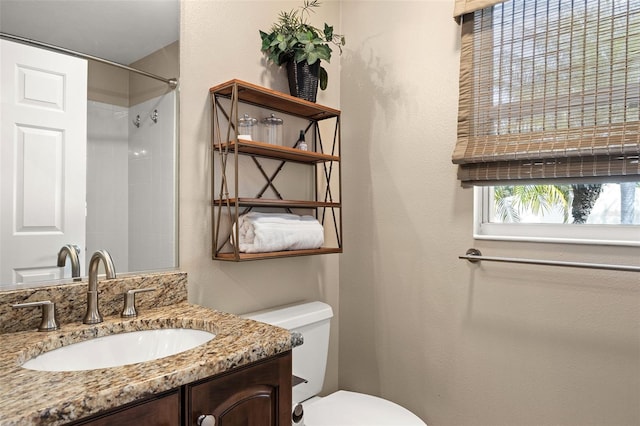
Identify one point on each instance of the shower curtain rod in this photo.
(172, 82)
(474, 255)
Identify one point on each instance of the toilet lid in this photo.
(344, 408)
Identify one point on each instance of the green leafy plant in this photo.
(293, 38)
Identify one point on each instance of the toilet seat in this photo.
(344, 408)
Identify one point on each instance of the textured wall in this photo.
(459, 344)
(219, 41)
(456, 343)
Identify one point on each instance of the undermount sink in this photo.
(120, 349)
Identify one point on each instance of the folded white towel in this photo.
(265, 232)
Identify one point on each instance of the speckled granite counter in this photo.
(53, 398)
(34, 397)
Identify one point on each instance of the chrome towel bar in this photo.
(474, 255)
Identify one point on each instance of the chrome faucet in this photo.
(93, 315)
(73, 252)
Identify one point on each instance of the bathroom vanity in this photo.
(242, 374)
(256, 394)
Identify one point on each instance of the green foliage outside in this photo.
(576, 200)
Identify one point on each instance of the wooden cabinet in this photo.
(322, 130)
(159, 410)
(258, 394)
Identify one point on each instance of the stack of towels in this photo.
(265, 232)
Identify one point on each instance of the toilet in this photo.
(341, 408)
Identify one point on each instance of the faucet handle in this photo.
(48, 322)
(129, 310)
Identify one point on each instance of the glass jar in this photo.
(247, 128)
(272, 130)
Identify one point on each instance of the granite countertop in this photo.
(54, 398)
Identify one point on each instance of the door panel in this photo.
(39, 180)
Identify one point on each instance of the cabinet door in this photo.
(255, 395)
(161, 410)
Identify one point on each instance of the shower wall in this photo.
(130, 183)
(151, 184)
(107, 182)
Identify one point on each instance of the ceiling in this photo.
(118, 30)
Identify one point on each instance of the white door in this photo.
(42, 160)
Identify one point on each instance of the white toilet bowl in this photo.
(344, 408)
(341, 408)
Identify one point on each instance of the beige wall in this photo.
(163, 62)
(108, 84)
(494, 344)
(120, 87)
(219, 41)
(458, 344)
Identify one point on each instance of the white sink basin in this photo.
(120, 349)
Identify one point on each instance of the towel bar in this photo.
(474, 255)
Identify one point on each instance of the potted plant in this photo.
(301, 46)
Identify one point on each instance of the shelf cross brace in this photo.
(269, 182)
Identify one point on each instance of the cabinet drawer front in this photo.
(162, 410)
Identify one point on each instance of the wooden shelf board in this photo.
(278, 101)
(275, 254)
(267, 150)
(269, 202)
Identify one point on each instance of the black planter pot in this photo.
(303, 79)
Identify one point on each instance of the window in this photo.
(606, 213)
(549, 118)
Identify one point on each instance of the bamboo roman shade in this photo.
(467, 6)
(549, 89)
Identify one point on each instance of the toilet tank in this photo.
(312, 320)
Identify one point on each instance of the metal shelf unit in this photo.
(227, 205)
